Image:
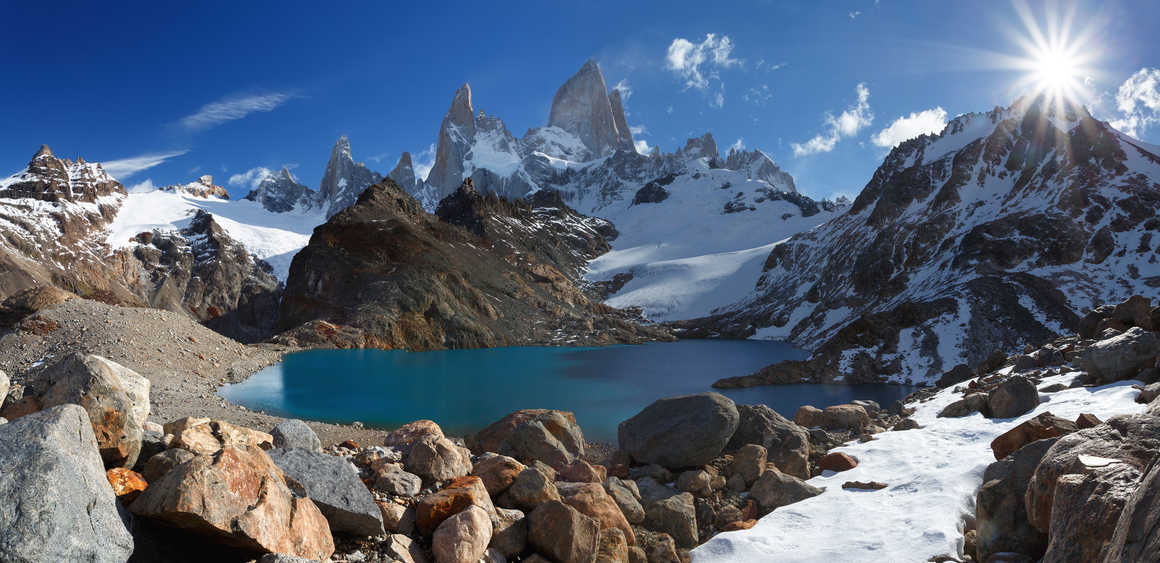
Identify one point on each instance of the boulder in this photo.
(683, 431)
(205, 436)
(438, 459)
(749, 462)
(663, 549)
(412, 432)
(1148, 393)
(775, 489)
(865, 485)
(613, 547)
(1120, 357)
(136, 386)
(57, 505)
(456, 497)
(550, 436)
(1085, 511)
(95, 384)
(695, 481)
(637, 555)
(394, 515)
(160, 464)
(580, 471)
(972, 403)
(1013, 397)
(462, 537)
(675, 516)
(837, 461)
(392, 479)
(836, 417)
(497, 471)
(510, 533)
(1087, 420)
(1132, 442)
(333, 484)
(591, 500)
(625, 498)
(1137, 533)
(1000, 513)
(126, 483)
(1043, 426)
(786, 443)
(563, 533)
(295, 434)
(401, 548)
(239, 497)
(530, 489)
(651, 490)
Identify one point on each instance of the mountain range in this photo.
(1001, 231)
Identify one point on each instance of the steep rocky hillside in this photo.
(1000, 232)
(384, 273)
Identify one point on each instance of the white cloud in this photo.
(250, 178)
(697, 63)
(126, 167)
(625, 90)
(423, 162)
(855, 14)
(1138, 99)
(908, 127)
(669, 110)
(229, 109)
(758, 95)
(638, 129)
(142, 187)
(642, 146)
(718, 99)
(846, 124)
(738, 145)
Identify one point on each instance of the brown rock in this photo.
(636, 555)
(563, 533)
(530, 489)
(205, 436)
(626, 497)
(127, 484)
(844, 417)
(676, 516)
(452, 499)
(534, 434)
(580, 471)
(696, 481)
(412, 432)
(160, 464)
(591, 499)
(1043, 426)
(837, 461)
(349, 444)
(867, 485)
(1087, 420)
(972, 403)
(510, 533)
(463, 537)
(775, 489)
(239, 497)
(497, 471)
(749, 462)
(438, 459)
(663, 550)
(739, 525)
(613, 547)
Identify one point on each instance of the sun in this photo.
(1058, 59)
(1056, 73)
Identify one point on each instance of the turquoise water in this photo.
(465, 390)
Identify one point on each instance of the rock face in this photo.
(334, 486)
(57, 506)
(290, 434)
(239, 497)
(48, 178)
(680, 431)
(404, 174)
(344, 179)
(757, 164)
(280, 192)
(550, 436)
(1000, 510)
(1137, 536)
(787, 444)
(1004, 222)
(1120, 357)
(582, 107)
(385, 274)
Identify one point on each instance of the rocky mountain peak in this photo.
(404, 172)
(582, 107)
(344, 178)
(279, 192)
(202, 187)
(698, 147)
(456, 134)
(49, 178)
(462, 113)
(622, 130)
(44, 151)
(759, 166)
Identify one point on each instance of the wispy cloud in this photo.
(423, 162)
(910, 126)
(699, 64)
(1138, 100)
(142, 187)
(250, 178)
(855, 14)
(126, 167)
(769, 67)
(758, 95)
(846, 124)
(625, 89)
(738, 145)
(229, 109)
(638, 129)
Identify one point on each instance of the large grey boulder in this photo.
(675, 516)
(1120, 357)
(1000, 510)
(438, 459)
(683, 431)
(787, 444)
(295, 434)
(333, 484)
(57, 504)
(1012, 398)
(1137, 534)
(775, 489)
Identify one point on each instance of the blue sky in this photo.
(221, 88)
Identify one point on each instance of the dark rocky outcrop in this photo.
(679, 432)
(385, 274)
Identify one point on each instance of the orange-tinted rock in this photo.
(837, 461)
(581, 471)
(127, 484)
(591, 500)
(205, 436)
(1087, 420)
(1043, 426)
(739, 525)
(411, 432)
(450, 500)
(349, 444)
(867, 485)
(238, 497)
(550, 436)
(497, 471)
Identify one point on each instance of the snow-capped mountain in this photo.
(280, 192)
(999, 232)
(203, 187)
(344, 179)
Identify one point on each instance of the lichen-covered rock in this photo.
(550, 436)
(333, 484)
(461, 493)
(295, 434)
(57, 504)
(613, 546)
(683, 431)
(239, 497)
(205, 436)
(126, 483)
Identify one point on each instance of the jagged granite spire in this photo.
(455, 137)
(404, 173)
(44, 151)
(582, 107)
(703, 146)
(623, 133)
(49, 178)
(281, 193)
(344, 178)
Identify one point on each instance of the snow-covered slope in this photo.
(273, 237)
(997, 233)
(932, 475)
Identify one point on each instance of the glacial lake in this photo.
(466, 390)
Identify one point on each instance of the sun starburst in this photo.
(1058, 59)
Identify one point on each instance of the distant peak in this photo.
(404, 160)
(286, 173)
(44, 151)
(589, 65)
